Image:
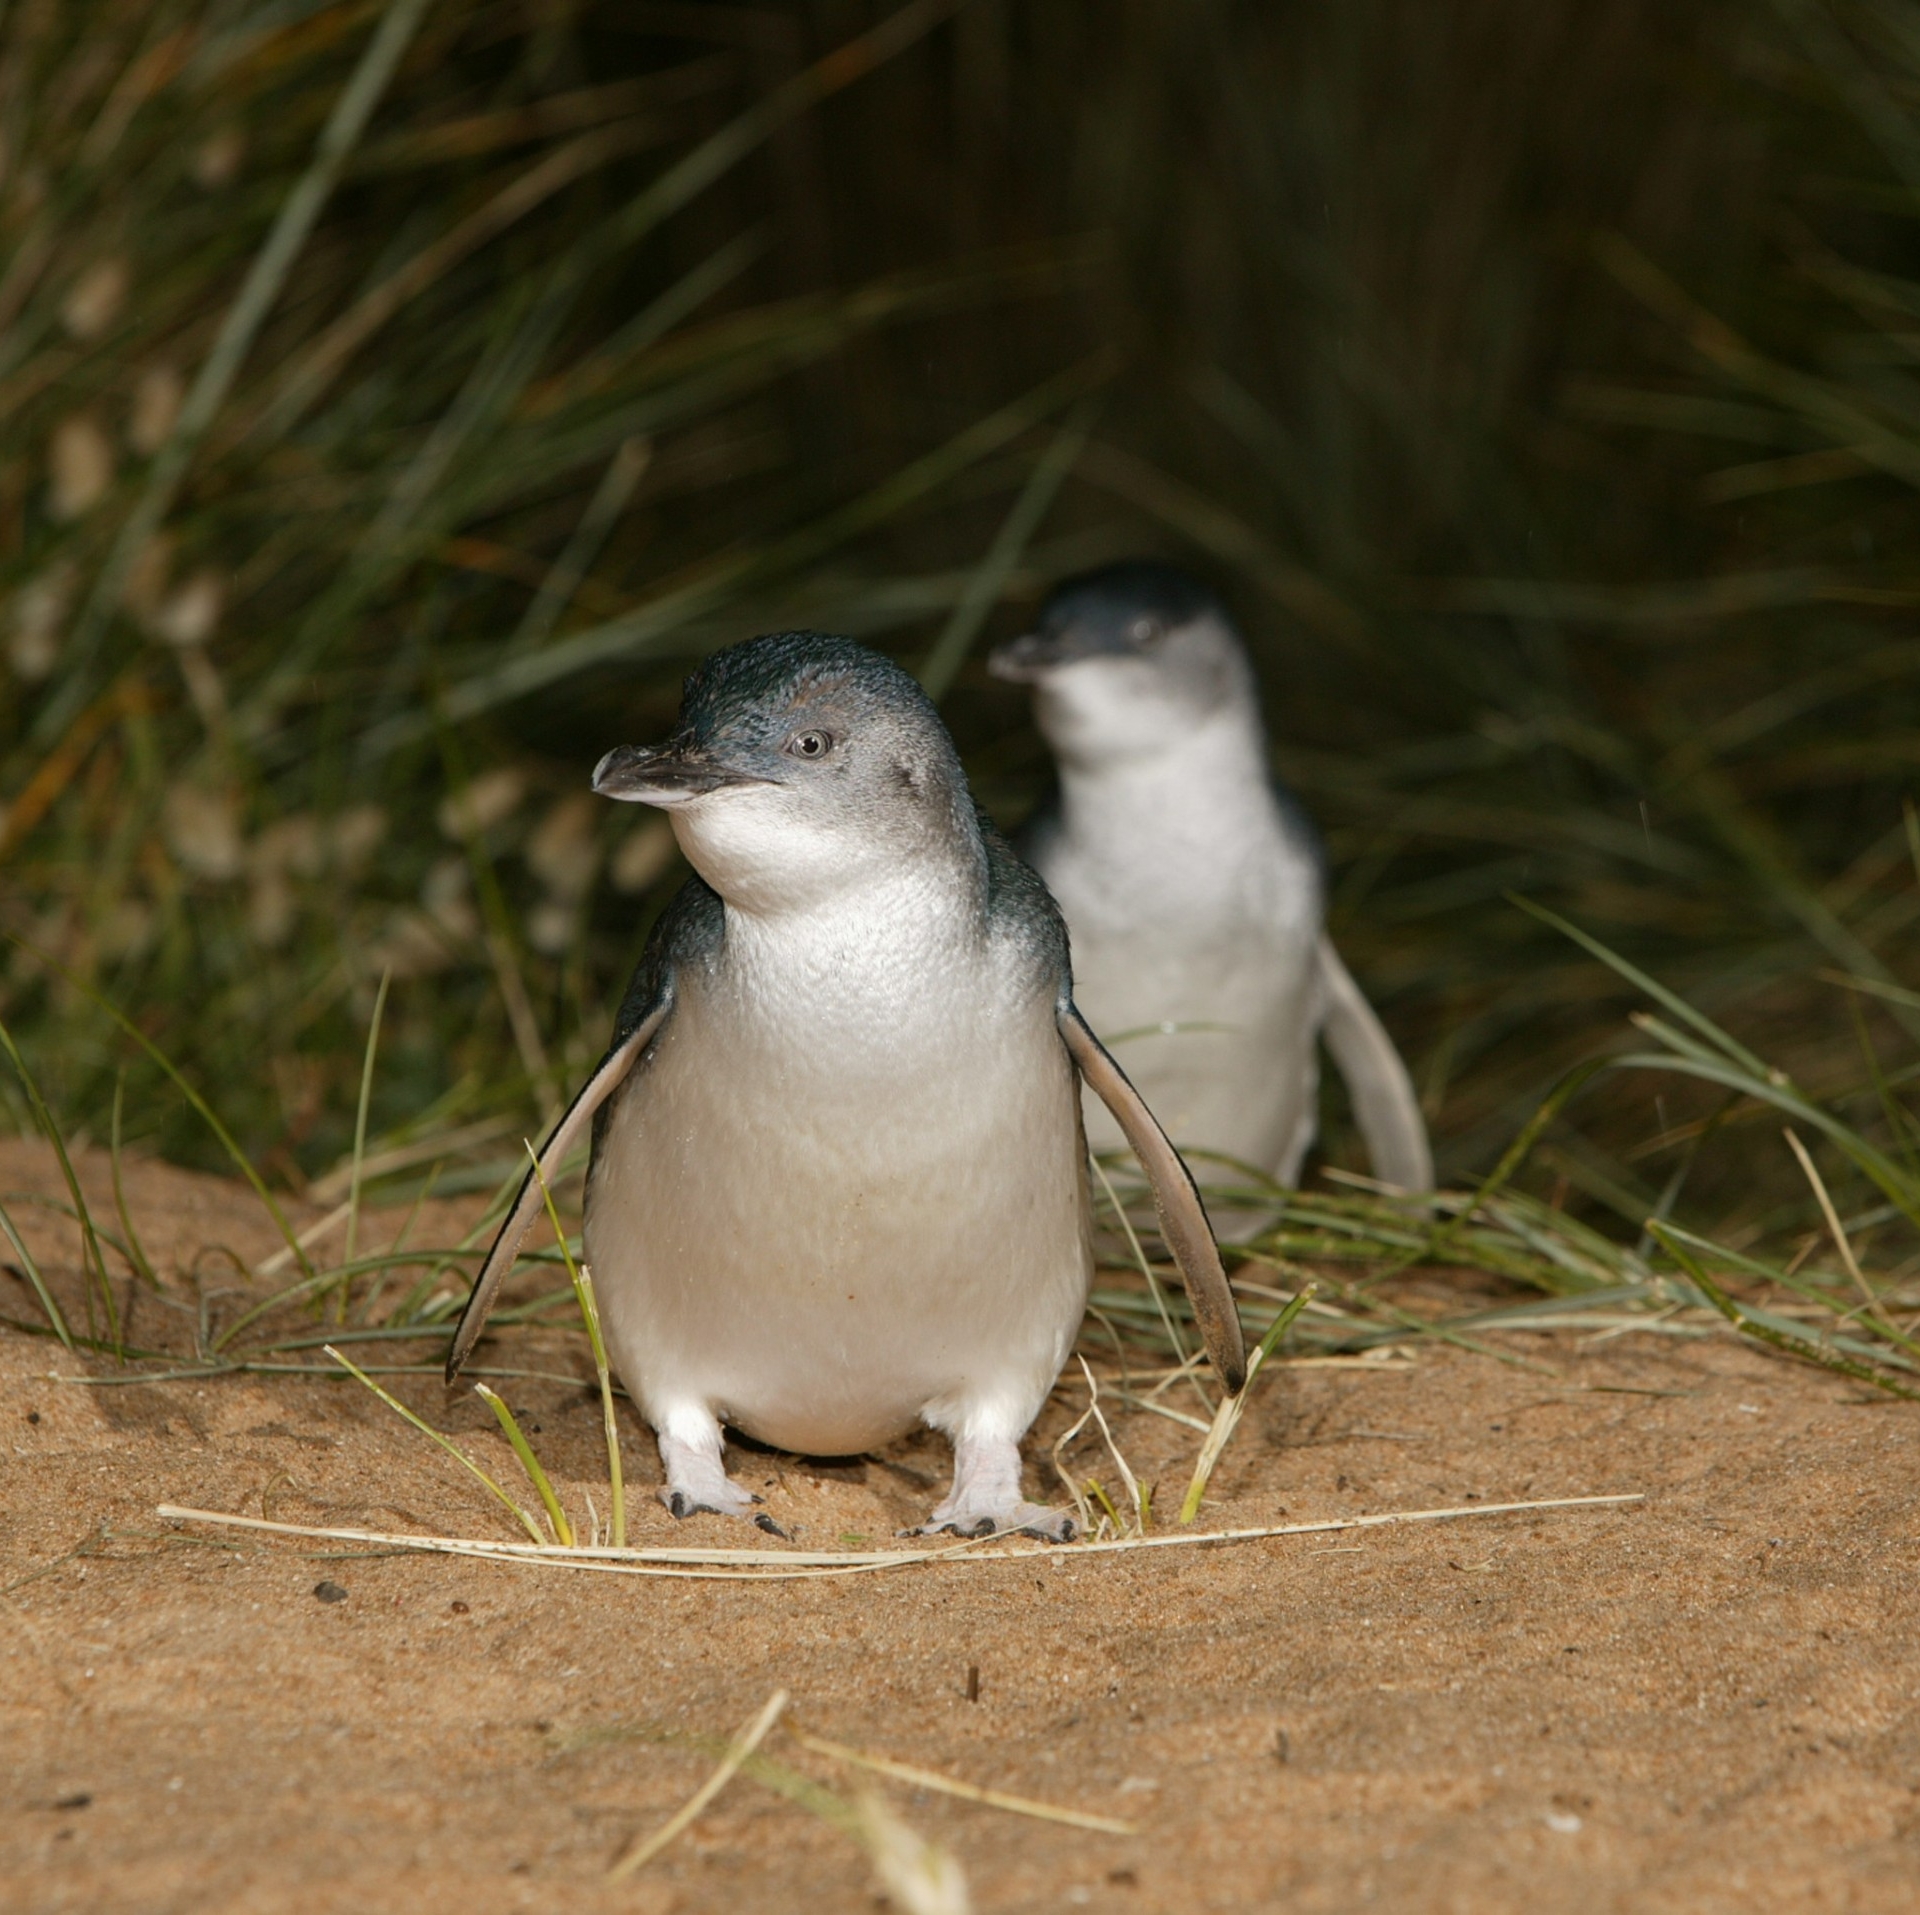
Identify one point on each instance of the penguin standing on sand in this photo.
(1192, 886)
(838, 1183)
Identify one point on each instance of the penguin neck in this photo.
(921, 899)
(924, 915)
(1207, 783)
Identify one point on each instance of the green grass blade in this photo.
(537, 1476)
(1771, 1335)
(1639, 979)
(360, 1115)
(1881, 1169)
(582, 1281)
(32, 1270)
(136, 1250)
(93, 1260)
(1445, 1235)
(1226, 1419)
(452, 1448)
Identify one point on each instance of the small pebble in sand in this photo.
(329, 1592)
(458, 1607)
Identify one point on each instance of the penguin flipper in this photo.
(608, 1078)
(1382, 1094)
(1183, 1219)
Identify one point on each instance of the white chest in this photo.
(845, 1186)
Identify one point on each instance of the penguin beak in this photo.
(1027, 659)
(667, 775)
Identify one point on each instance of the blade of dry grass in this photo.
(963, 1791)
(1226, 1419)
(640, 1853)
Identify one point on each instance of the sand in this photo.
(1706, 1700)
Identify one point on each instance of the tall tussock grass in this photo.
(394, 398)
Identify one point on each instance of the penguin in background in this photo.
(839, 1182)
(1192, 884)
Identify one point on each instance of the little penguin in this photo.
(1193, 885)
(838, 1184)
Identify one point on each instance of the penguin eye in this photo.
(1143, 630)
(810, 744)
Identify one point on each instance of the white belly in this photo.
(1239, 1073)
(1175, 921)
(824, 1223)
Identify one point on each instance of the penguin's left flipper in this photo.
(1383, 1098)
(1183, 1219)
(531, 1199)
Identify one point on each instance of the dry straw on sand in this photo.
(776, 1565)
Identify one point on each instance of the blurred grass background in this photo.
(395, 395)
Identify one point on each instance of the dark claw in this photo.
(766, 1522)
(1069, 1533)
(682, 1505)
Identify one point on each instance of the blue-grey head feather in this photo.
(748, 688)
(1121, 607)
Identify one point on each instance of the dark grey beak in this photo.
(667, 774)
(1027, 659)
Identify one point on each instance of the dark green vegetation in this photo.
(394, 397)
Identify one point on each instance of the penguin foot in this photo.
(763, 1521)
(985, 1499)
(697, 1481)
(1025, 1519)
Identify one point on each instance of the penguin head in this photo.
(802, 765)
(1129, 662)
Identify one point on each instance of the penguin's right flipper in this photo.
(530, 1198)
(1183, 1218)
(1382, 1095)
